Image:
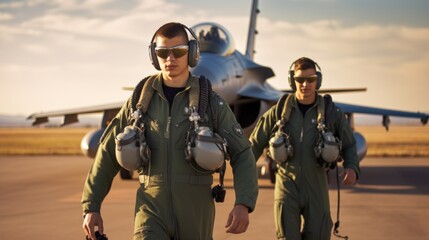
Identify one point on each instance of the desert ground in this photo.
(42, 173)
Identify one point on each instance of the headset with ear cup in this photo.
(291, 74)
(193, 50)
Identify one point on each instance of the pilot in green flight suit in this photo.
(301, 187)
(174, 201)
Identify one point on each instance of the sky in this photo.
(61, 54)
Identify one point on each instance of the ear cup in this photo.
(193, 53)
(319, 80)
(319, 76)
(152, 55)
(292, 80)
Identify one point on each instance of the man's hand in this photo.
(90, 221)
(349, 176)
(238, 220)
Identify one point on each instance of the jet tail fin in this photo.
(250, 48)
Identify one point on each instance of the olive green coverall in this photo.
(301, 186)
(173, 200)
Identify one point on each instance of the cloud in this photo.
(5, 16)
(11, 5)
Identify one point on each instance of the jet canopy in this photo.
(214, 38)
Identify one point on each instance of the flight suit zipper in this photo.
(167, 129)
(169, 175)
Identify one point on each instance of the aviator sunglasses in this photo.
(309, 79)
(178, 51)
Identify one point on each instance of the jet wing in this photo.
(386, 113)
(332, 90)
(70, 115)
(268, 93)
(340, 90)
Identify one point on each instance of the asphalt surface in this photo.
(40, 199)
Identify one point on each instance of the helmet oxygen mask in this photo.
(205, 150)
(132, 151)
(280, 148)
(328, 147)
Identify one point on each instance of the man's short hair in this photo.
(304, 63)
(172, 29)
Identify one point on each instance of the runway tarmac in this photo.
(40, 199)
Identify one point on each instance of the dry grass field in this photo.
(41, 141)
(400, 141)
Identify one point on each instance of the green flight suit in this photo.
(173, 201)
(301, 186)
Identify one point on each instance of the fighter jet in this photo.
(235, 77)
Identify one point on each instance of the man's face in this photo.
(173, 67)
(305, 88)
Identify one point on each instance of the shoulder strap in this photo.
(321, 110)
(284, 107)
(136, 93)
(194, 93)
(199, 95)
(329, 110)
(206, 92)
(142, 94)
(146, 94)
(279, 105)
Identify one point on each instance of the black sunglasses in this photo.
(309, 79)
(178, 51)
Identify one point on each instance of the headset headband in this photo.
(315, 63)
(184, 27)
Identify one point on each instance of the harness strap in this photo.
(321, 110)
(287, 109)
(146, 95)
(329, 114)
(137, 94)
(194, 93)
(204, 96)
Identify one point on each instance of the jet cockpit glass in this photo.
(214, 38)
